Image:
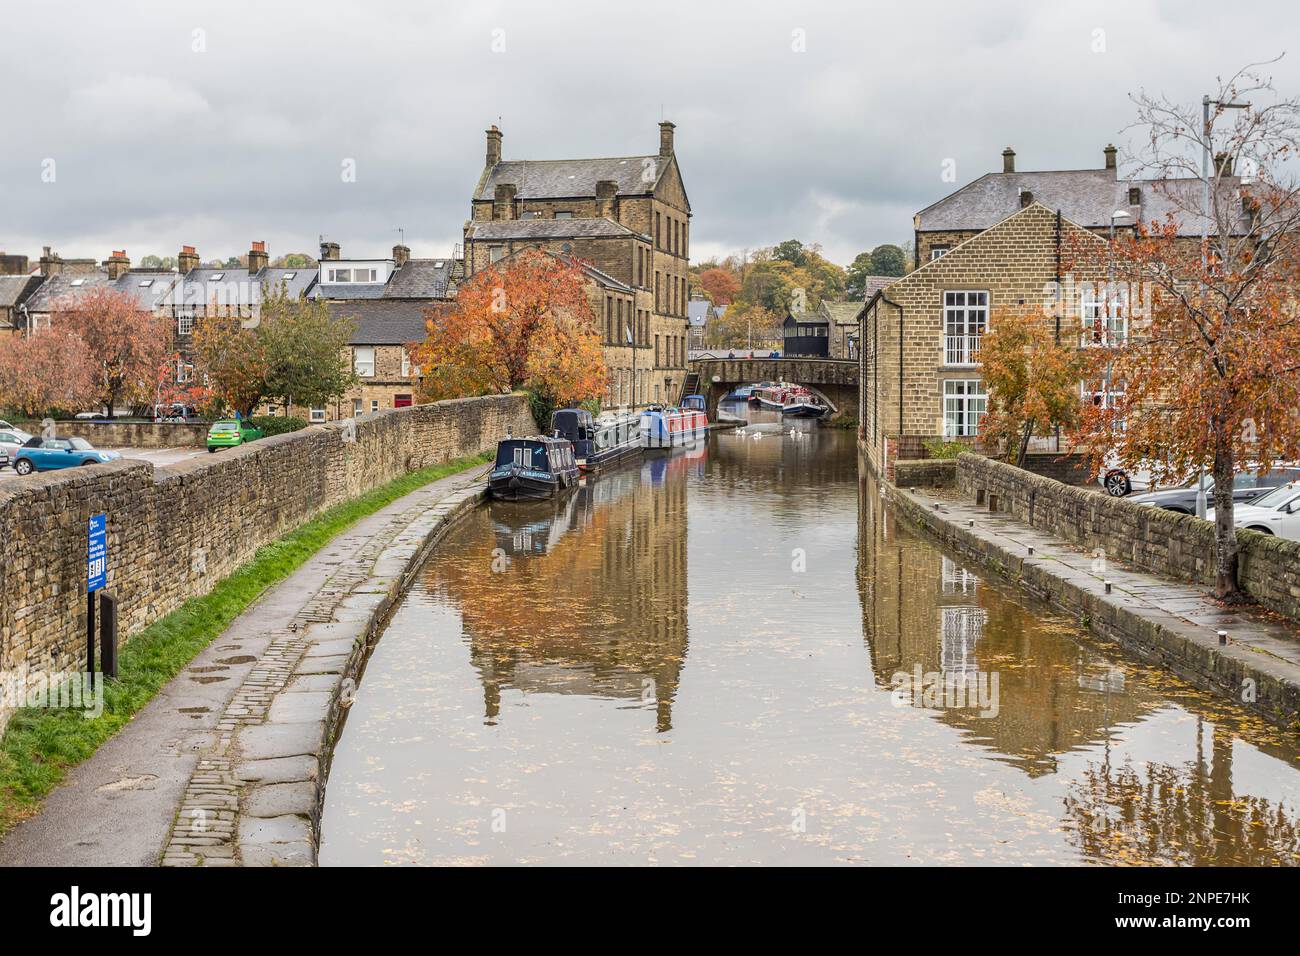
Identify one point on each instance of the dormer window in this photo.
(146, 283)
(218, 276)
(563, 215)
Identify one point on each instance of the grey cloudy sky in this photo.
(160, 140)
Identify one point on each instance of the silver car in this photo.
(11, 439)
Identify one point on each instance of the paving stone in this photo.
(298, 853)
(280, 799)
(299, 708)
(280, 740)
(281, 829)
(278, 769)
(323, 665)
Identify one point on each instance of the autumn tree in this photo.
(304, 349)
(129, 344)
(1033, 380)
(232, 359)
(1208, 376)
(720, 285)
(51, 371)
(525, 322)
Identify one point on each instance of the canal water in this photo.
(738, 656)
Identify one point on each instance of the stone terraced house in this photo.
(996, 243)
(628, 218)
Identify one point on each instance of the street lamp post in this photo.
(1207, 130)
(1110, 290)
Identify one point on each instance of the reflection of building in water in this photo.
(1187, 814)
(921, 608)
(592, 599)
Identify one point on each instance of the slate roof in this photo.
(15, 289)
(349, 290)
(423, 279)
(384, 322)
(61, 287)
(846, 313)
(1087, 197)
(494, 229)
(562, 178)
(236, 287)
(698, 312)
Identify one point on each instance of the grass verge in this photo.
(40, 744)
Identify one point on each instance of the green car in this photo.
(230, 434)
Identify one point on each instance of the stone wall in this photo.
(130, 434)
(174, 532)
(925, 472)
(1150, 539)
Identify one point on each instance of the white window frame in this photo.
(965, 320)
(317, 415)
(363, 367)
(1109, 307)
(374, 405)
(356, 407)
(185, 324)
(965, 403)
(937, 251)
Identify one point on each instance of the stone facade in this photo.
(174, 532)
(907, 356)
(629, 218)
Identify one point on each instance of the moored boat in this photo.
(536, 467)
(598, 442)
(672, 427)
(790, 400)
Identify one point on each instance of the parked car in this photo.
(1246, 486)
(47, 454)
(174, 413)
(230, 434)
(1277, 512)
(11, 439)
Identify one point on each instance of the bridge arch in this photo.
(834, 380)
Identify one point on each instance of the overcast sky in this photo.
(214, 125)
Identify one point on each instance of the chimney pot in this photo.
(665, 139)
(1008, 160)
(401, 254)
(117, 264)
(1110, 152)
(493, 145)
(1223, 163)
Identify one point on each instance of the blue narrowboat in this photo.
(529, 468)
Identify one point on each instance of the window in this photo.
(965, 318)
(356, 407)
(76, 282)
(146, 283)
(218, 276)
(183, 372)
(409, 368)
(318, 414)
(402, 400)
(340, 275)
(288, 276)
(563, 215)
(1104, 315)
(184, 325)
(937, 251)
(496, 253)
(964, 405)
(374, 404)
(363, 361)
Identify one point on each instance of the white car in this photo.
(11, 439)
(1277, 513)
(1119, 481)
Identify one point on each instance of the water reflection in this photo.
(739, 657)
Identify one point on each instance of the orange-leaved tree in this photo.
(525, 322)
(51, 371)
(231, 359)
(1033, 380)
(129, 344)
(1208, 376)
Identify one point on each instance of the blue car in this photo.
(47, 454)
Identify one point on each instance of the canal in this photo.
(737, 656)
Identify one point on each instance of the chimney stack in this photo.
(13, 265)
(187, 261)
(1110, 152)
(117, 265)
(51, 263)
(1223, 164)
(1008, 160)
(400, 255)
(257, 258)
(1134, 196)
(607, 199)
(1026, 197)
(666, 139)
(503, 201)
(493, 145)
(329, 250)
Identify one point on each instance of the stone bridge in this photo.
(835, 380)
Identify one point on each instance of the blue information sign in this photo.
(97, 554)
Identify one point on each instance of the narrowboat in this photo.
(528, 468)
(598, 442)
(790, 400)
(696, 402)
(673, 427)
